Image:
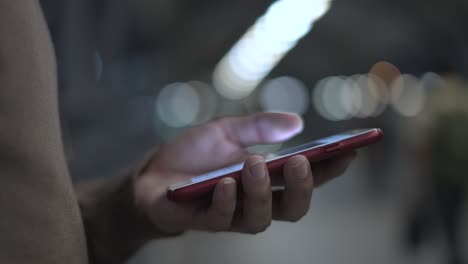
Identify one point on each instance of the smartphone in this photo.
(317, 150)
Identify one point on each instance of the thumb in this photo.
(261, 128)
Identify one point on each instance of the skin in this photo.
(221, 143)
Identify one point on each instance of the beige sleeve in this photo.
(40, 221)
(43, 221)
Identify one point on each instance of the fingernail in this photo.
(299, 169)
(257, 169)
(228, 187)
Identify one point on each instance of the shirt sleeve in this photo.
(40, 220)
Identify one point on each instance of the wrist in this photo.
(115, 227)
(144, 195)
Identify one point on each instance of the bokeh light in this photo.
(350, 96)
(386, 71)
(379, 89)
(209, 101)
(318, 101)
(370, 99)
(331, 97)
(284, 94)
(341, 98)
(178, 105)
(408, 95)
(432, 80)
(327, 98)
(260, 49)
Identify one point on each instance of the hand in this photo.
(221, 143)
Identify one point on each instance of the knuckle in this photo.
(260, 199)
(257, 189)
(223, 214)
(216, 126)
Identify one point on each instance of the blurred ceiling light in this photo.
(284, 94)
(328, 98)
(379, 89)
(331, 97)
(340, 98)
(252, 58)
(408, 95)
(385, 71)
(208, 101)
(351, 96)
(432, 80)
(380, 93)
(370, 104)
(178, 104)
(317, 99)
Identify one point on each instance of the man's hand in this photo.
(221, 143)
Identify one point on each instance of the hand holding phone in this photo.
(317, 150)
(218, 144)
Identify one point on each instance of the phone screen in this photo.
(273, 156)
(314, 144)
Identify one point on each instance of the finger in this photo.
(295, 199)
(256, 210)
(330, 169)
(261, 128)
(218, 217)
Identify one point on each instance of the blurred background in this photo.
(132, 74)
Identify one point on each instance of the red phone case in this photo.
(191, 191)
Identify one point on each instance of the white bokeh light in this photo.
(370, 105)
(432, 80)
(284, 94)
(408, 95)
(341, 98)
(209, 101)
(178, 105)
(260, 49)
(379, 89)
(328, 100)
(317, 99)
(331, 98)
(351, 96)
